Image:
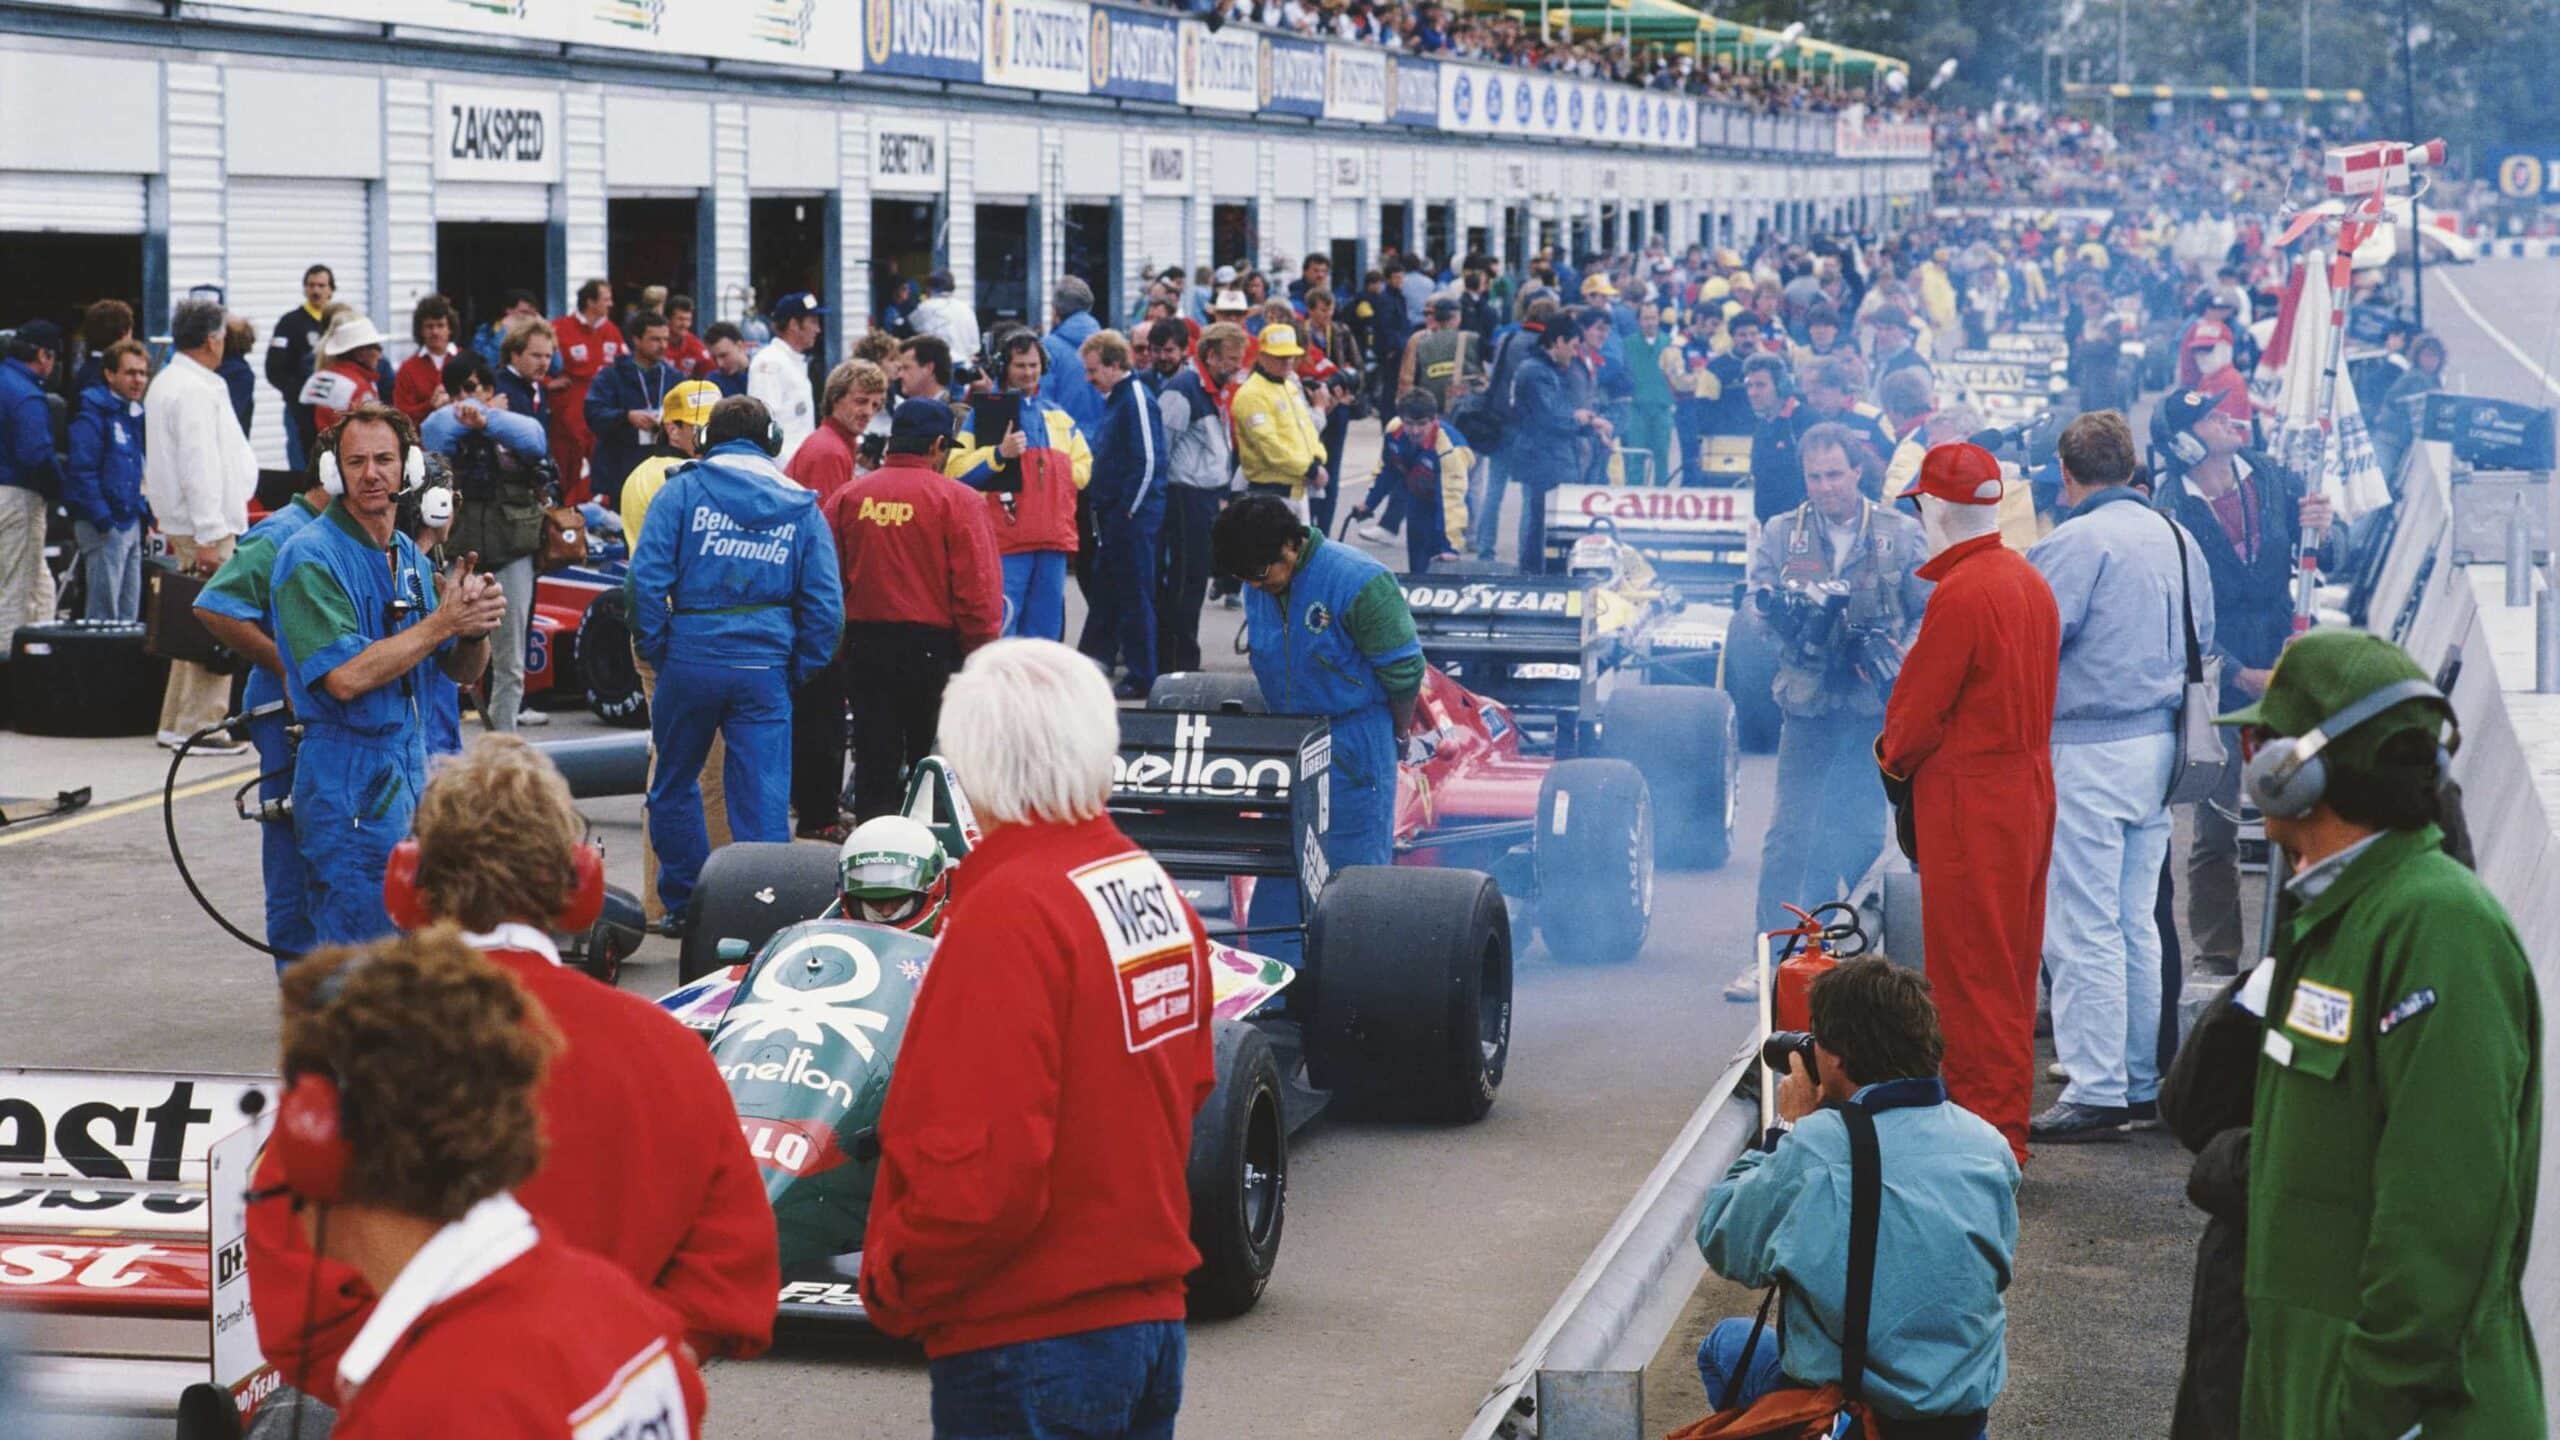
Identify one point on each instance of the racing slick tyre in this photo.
(1411, 1005)
(1239, 1175)
(1750, 673)
(87, 678)
(1206, 690)
(1683, 739)
(606, 666)
(750, 890)
(1593, 856)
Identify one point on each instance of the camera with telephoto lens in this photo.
(964, 374)
(1811, 620)
(1783, 1043)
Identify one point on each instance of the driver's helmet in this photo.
(1594, 560)
(895, 873)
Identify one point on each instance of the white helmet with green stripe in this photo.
(894, 872)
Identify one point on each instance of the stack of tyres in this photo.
(86, 678)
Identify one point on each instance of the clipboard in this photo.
(989, 420)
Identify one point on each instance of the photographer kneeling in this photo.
(1936, 1325)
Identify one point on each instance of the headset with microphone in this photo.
(2181, 444)
(2289, 776)
(578, 911)
(413, 470)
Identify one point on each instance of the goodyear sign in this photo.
(2528, 175)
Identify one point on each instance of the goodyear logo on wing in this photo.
(1478, 598)
(1192, 770)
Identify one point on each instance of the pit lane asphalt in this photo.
(1416, 1258)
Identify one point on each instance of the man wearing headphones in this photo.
(2246, 513)
(735, 603)
(2397, 1131)
(358, 623)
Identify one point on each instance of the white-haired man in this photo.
(1031, 1217)
(1966, 752)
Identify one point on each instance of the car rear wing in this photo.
(2014, 379)
(1218, 794)
(1698, 539)
(1519, 639)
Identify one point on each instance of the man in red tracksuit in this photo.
(922, 588)
(412, 1067)
(1965, 747)
(1031, 1221)
(644, 1165)
(589, 344)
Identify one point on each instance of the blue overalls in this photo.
(1308, 664)
(363, 761)
(246, 596)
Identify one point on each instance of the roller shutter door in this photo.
(493, 200)
(71, 204)
(1164, 230)
(278, 229)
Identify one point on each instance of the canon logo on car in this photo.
(1657, 507)
(1192, 770)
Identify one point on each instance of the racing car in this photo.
(1402, 1004)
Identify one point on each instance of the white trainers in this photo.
(1745, 986)
(2055, 1071)
(534, 719)
(1372, 533)
(217, 743)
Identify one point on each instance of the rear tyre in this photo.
(1593, 854)
(1684, 741)
(1750, 674)
(1239, 1175)
(1207, 690)
(750, 890)
(1411, 1012)
(88, 678)
(606, 666)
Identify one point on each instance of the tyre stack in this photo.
(84, 678)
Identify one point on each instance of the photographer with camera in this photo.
(501, 471)
(1834, 580)
(1930, 1325)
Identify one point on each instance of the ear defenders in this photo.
(413, 472)
(578, 912)
(2182, 444)
(2288, 775)
(310, 1142)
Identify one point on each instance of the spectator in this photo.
(1048, 1248)
(30, 479)
(1894, 350)
(497, 855)
(2395, 430)
(921, 369)
(2208, 351)
(1777, 471)
(2245, 513)
(623, 403)
(923, 587)
(290, 360)
(735, 611)
(1071, 324)
(1200, 468)
(198, 477)
(421, 1064)
(102, 482)
(589, 344)
(417, 389)
(946, 318)
(1169, 343)
(2116, 572)
(239, 338)
(685, 349)
(779, 374)
(1046, 457)
(350, 372)
(499, 474)
(1446, 359)
(729, 358)
(103, 324)
(1279, 443)
(1549, 433)
(524, 371)
(856, 392)
(1330, 374)
(1734, 410)
(1832, 392)
(1128, 497)
(491, 339)
(1907, 399)
(1653, 358)
(1936, 1325)
(1428, 462)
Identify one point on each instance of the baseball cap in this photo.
(920, 417)
(1958, 473)
(1229, 302)
(1281, 340)
(1223, 275)
(689, 403)
(2224, 299)
(1599, 285)
(2328, 670)
(2208, 333)
(41, 335)
(1715, 289)
(797, 304)
(2179, 410)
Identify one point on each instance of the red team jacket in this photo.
(415, 383)
(501, 1332)
(645, 1166)
(917, 547)
(1034, 1146)
(584, 352)
(825, 461)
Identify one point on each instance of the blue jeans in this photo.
(750, 710)
(1120, 1383)
(1487, 521)
(111, 563)
(1827, 825)
(1721, 1351)
(1035, 594)
(1121, 625)
(2101, 928)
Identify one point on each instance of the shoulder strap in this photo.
(1866, 1208)
(2186, 599)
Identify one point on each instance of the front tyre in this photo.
(1593, 856)
(1239, 1175)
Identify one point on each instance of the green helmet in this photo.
(894, 872)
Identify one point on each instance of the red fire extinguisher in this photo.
(1813, 946)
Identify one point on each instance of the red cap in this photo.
(1959, 474)
(2208, 332)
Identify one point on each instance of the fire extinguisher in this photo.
(1817, 943)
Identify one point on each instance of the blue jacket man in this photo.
(735, 601)
(637, 380)
(1330, 634)
(102, 488)
(1127, 494)
(1947, 1225)
(1547, 436)
(26, 431)
(1064, 385)
(241, 594)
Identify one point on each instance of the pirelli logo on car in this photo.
(1488, 599)
(1149, 936)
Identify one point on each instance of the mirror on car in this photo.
(732, 952)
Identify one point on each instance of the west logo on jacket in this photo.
(1148, 935)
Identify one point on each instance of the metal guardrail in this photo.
(1581, 1375)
